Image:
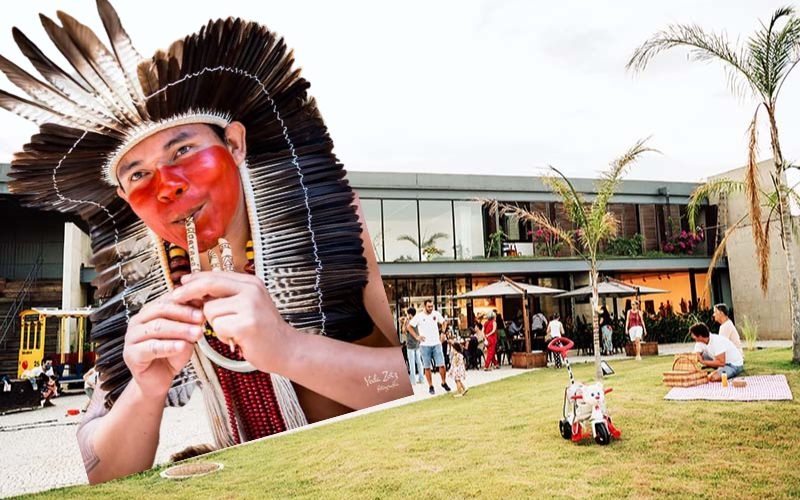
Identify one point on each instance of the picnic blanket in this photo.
(759, 388)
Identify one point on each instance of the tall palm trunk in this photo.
(594, 276)
(787, 236)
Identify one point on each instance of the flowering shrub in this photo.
(684, 243)
(546, 242)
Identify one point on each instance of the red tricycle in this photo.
(585, 411)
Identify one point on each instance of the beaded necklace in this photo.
(253, 409)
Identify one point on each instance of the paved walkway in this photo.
(38, 449)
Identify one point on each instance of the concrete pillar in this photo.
(75, 250)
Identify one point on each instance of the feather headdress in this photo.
(308, 246)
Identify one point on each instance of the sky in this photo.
(476, 87)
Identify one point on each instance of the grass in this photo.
(502, 441)
(749, 332)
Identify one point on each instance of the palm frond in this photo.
(703, 192)
(492, 205)
(752, 191)
(702, 46)
(431, 240)
(719, 251)
(773, 53)
(541, 220)
(607, 227)
(610, 179)
(788, 41)
(409, 239)
(574, 204)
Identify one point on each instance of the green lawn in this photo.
(502, 441)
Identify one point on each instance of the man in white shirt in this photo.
(717, 352)
(427, 324)
(726, 327)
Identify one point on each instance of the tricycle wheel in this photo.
(601, 434)
(565, 428)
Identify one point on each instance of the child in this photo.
(50, 391)
(458, 369)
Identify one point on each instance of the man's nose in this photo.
(172, 184)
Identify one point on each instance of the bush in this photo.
(625, 247)
(683, 243)
(674, 328)
(670, 329)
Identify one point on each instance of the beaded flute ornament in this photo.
(307, 239)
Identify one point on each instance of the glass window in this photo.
(401, 233)
(373, 218)
(469, 230)
(515, 228)
(414, 292)
(436, 228)
(447, 304)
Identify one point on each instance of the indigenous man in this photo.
(213, 142)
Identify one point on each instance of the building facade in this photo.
(435, 238)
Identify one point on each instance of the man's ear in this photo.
(121, 194)
(235, 135)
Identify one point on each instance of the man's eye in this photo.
(182, 151)
(136, 176)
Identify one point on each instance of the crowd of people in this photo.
(491, 339)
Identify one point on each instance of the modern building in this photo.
(434, 237)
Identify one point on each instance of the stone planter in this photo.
(647, 349)
(535, 359)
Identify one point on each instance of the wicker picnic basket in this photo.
(684, 372)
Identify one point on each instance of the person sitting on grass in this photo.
(715, 351)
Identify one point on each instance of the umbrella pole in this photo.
(526, 322)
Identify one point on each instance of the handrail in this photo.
(19, 301)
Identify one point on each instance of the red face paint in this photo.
(205, 184)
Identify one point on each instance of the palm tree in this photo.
(761, 66)
(428, 245)
(593, 222)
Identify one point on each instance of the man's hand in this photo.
(239, 309)
(159, 342)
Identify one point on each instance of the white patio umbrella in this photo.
(610, 287)
(506, 287)
(613, 289)
(510, 288)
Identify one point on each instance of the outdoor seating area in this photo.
(579, 330)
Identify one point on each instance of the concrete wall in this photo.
(771, 310)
